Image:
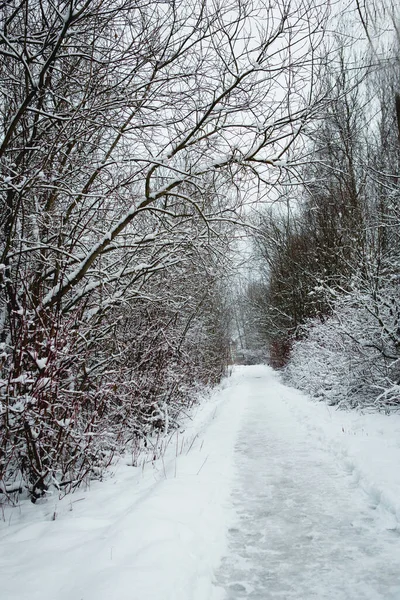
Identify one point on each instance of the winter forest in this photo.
(184, 185)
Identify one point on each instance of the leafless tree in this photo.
(334, 262)
(128, 131)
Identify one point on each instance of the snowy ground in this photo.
(305, 528)
(263, 495)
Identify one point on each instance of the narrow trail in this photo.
(304, 530)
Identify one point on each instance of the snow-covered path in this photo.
(263, 494)
(305, 529)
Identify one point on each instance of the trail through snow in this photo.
(304, 528)
(261, 495)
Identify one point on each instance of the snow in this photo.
(306, 527)
(365, 445)
(41, 363)
(146, 533)
(262, 494)
(104, 240)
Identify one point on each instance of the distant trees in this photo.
(332, 310)
(123, 126)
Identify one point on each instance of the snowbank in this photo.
(147, 533)
(367, 446)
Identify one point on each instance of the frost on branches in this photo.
(352, 359)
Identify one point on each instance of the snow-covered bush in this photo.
(75, 391)
(353, 357)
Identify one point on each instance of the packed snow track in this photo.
(261, 495)
(304, 529)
